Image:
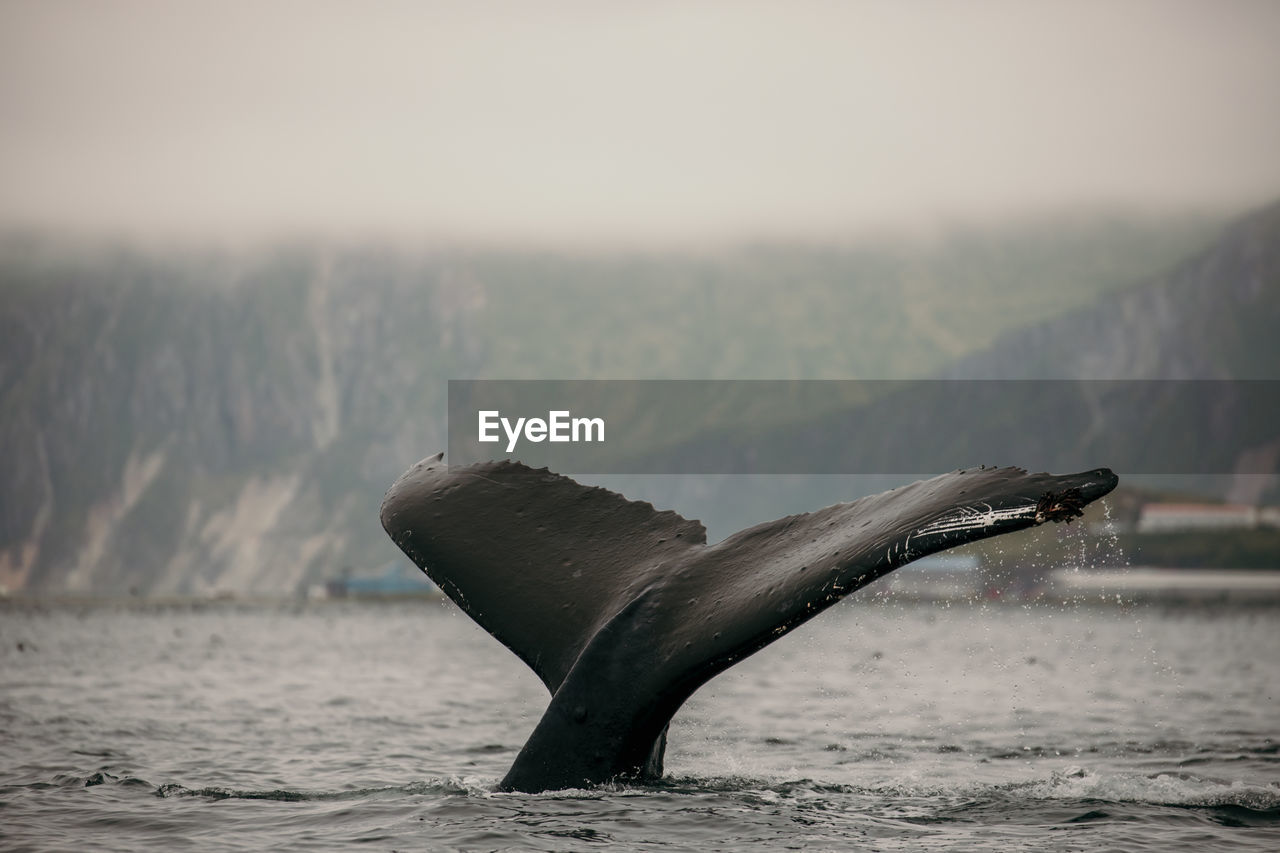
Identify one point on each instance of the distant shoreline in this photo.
(1139, 585)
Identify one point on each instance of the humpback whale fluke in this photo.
(624, 611)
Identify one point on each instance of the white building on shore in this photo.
(1174, 517)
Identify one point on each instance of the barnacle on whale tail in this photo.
(1060, 506)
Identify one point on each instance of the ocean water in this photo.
(878, 726)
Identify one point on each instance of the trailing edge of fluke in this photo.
(624, 611)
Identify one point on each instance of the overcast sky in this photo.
(579, 122)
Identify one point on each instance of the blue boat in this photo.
(398, 579)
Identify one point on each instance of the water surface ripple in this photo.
(879, 726)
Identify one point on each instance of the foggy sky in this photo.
(582, 122)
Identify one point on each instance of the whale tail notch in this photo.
(624, 611)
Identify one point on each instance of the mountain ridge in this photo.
(200, 423)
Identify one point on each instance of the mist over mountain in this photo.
(189, 422)
(1213, 316)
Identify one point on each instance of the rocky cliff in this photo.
(185, 426)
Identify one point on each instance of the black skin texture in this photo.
(624, 611)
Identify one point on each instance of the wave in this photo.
(433, 787)
(1259, 802)
(1165, 789)
(440, 786)
(1159, 789)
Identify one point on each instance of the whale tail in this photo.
(624, 611)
